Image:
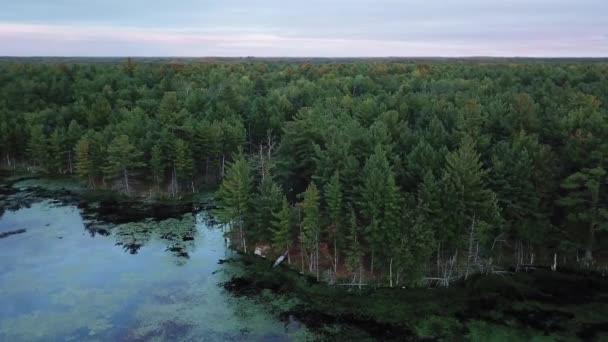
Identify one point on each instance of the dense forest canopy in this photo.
(383, 170)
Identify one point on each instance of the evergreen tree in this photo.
(84, 163)
(73, 134)
(99, 113)
(268, 202)
(57, 151)
(471, 206)
(429, 216)
(168, 109)
(38, 147)
(311, 226)
(585, 205)
(281, 228)
(234, 197)
(208, 144)
(378, 182)
(513, 178)
(334, 202)
(157, 165)
(183, 164)
(354, 252)
(123, 158)
(390, 229)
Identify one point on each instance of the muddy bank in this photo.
(96, 205)
(569, 304)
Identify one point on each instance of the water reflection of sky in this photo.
(59, 283)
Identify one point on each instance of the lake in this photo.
(73, 277)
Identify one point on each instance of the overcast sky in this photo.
(339, 28)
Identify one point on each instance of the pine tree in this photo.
(429, 216)
(585, 204)
(168, 109)
(38, 147)
(234, 198)
(208, 144)
(98, 151)
(233, 137)
(354, 252)
(513, 178)
(99, 113)
(268, 202)
(157, 164)
(373, 201)
(311, 226)
(183, 163)
(390, 231)
(73, 134)
(281, 228)
(334, 201)
(57, 151)
(84, 163)
(5, 140)
(123, 158)
(471, 206)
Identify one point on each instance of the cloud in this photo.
(536, 28)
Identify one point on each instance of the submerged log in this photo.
(12, 232)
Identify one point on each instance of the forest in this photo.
(400, 173)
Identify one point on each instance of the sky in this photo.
(312, 28)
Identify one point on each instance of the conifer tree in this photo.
(311, 226)
(585, 205)
(281, 228)
(84, 163)
(513, 179)
(57, 151)
(374, 201)
(157, 165)
(268, 202)
(38, 147)
(123, 158)
(471, 206)
(334, 202)
(354, 252)
(234, 198)
(391, 224)
(73, 134)
(429, 216)
(99, 113)
(183, 164)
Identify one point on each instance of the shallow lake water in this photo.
(142, 281)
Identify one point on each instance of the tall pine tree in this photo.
(84, 162)
(234, 198)
(311, 227)
(123, 159)
(281, 229)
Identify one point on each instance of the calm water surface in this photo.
(145, 281)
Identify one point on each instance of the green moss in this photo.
(446, 328)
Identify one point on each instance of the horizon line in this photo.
(313, 57)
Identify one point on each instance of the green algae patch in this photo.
(50, 184)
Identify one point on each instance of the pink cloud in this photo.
(64, 40)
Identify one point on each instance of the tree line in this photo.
(392, 171)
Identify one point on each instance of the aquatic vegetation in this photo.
(50, 184)
(64, 280)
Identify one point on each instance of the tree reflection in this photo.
(177, 234)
